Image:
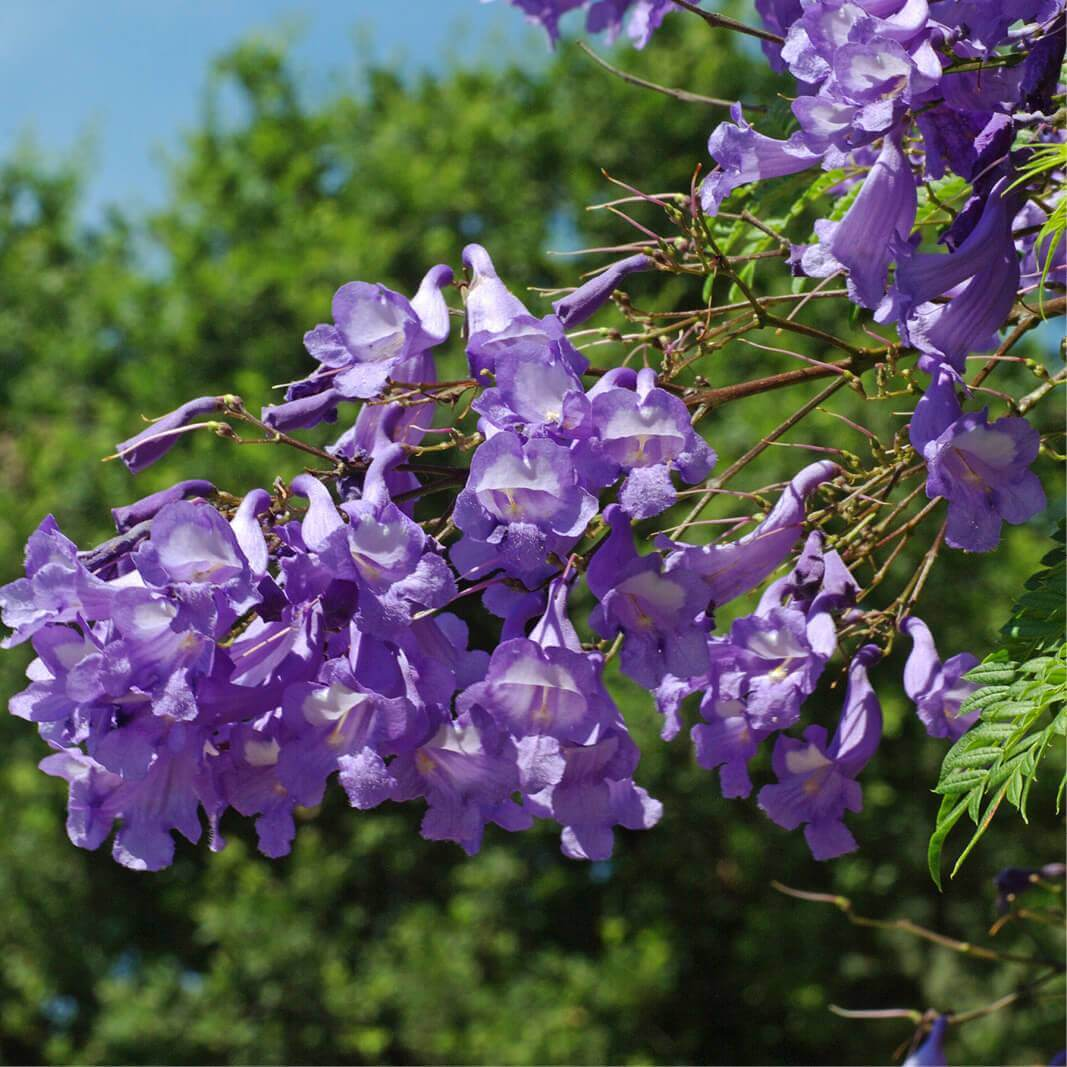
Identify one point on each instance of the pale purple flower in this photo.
(817, 782)
(937, 688)
(980, 468)
(731, 569)
(148, 507)
(659, 612)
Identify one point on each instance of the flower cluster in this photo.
(640, 17)
(221, 653)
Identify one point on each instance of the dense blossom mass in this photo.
(221, 653)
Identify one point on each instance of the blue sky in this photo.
(128, 74)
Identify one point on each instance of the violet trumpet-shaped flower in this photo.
(731, 569)
(521, 501)
(644, 432)
(660, 613)
(817, 782)
(862, 243)
(938, 689)
(980, 468)
(544, 685)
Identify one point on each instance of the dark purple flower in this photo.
(1013, 881)
(156, 440)
(938, 689)
(816, 782)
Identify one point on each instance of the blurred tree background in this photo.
(367, 944)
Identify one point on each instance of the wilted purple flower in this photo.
(156, 440)
(931, 1053)
(938, 689)
(1012, 881)
(660, 613)
(817, 783)
(730, 569)
(979, 467)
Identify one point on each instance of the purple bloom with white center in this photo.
(155, 441)
(521, 501)
(817, 782)
(659, 612)
(937, 688)
(644, 432)
(980, 468)
(931, 1053)
(731, 569)
(862, 243)
(544, 685)
(781, 665)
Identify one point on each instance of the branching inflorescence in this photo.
(223, 652)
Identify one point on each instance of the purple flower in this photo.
(545, 685)
(593, 792)
(981, 276)
(521, 501)
(730, 569)
(155, 441)
(603, 16)
(645, 432)
(499, 323)
(1013, 881)
(931, 1053)
(660, 613)
(817, 783)
(728, 738)
(980, 468)
(587, 299)
(745, 155)
(55, 588)
(863, 242)
(938, 689)
(148, 507)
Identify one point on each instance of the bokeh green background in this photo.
(368, 944)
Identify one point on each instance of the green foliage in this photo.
(1023, 703)
(1043, 161)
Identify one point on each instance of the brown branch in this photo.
(724, 23)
